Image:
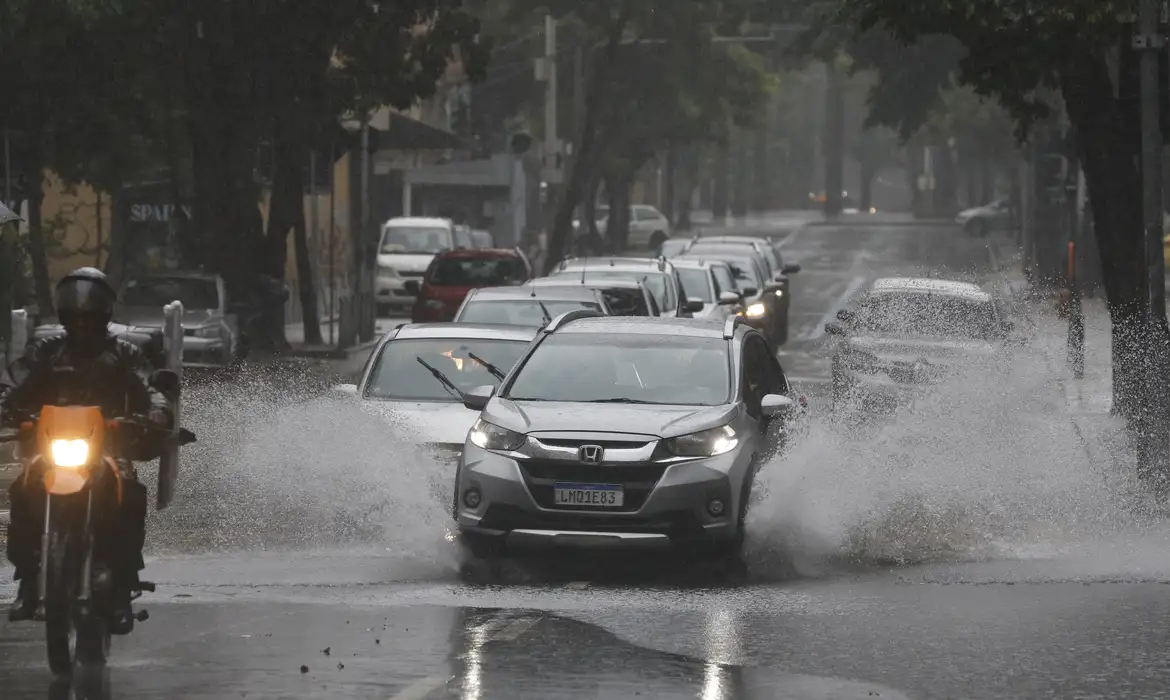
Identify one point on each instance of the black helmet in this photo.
(85, 303)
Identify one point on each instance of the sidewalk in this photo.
(294, 333)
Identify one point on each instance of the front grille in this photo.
(606, 444)
(637, 480)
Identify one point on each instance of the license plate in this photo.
(601, 495)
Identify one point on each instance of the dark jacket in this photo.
(117, 379)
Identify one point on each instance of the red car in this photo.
(454, 273)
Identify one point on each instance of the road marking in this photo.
(514, 630)
(854, 286)
(421, 688)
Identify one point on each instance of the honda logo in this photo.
(590, 454)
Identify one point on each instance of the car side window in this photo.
(723, 278)
(682, 292)
(715, 284)
(653, 304)
(755, 355)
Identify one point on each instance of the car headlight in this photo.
(207, 332)
(755, 310)
(69, 454)
(705, 443)
(489, 436)
(779, 292)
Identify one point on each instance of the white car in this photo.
(983, 220)
(406, 248)
(648, 227)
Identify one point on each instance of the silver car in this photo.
(422, 370)
(712, 283)
(623, 432)
(211, 331)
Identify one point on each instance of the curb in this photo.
(331, 353)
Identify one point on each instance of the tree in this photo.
(1016, 49)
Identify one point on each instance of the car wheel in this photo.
(657, 239)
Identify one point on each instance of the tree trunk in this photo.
(618, 228)
(1111, 172)
(306, 286)
(869, 173)
(720, 190)
(669, 173)
(34, 176)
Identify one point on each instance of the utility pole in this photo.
(365, 275)
(551, 146)
(1149, 43)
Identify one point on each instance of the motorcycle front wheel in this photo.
(60, 632)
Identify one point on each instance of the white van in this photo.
(406, 248)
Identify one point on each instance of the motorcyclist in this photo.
(110, 373)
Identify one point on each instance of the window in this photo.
(747, 274)
(399, 375)
(695, 282)
(626, 368)
(755, 379)
(644, 214)
(520, 312)
(926, 314)
(419, 240)
(723, 279)
(657, 282)
(476, 272)
(194, 292)
(627, 302)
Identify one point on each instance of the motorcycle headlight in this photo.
(207, 332)
(705, 443)
(69, 454)
(755, 310)
(489, 436)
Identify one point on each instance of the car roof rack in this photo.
(729, 327)
(570, 316)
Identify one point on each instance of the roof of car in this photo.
(553, 293)
(611, 262)
(697, 262)
(735, 239)
(929, 285)
(479, 253)
(564, 280)
(646, 325)
(476, 331)
(418, 221)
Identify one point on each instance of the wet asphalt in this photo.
(362, 623)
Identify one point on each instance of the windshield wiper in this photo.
(495, 371)
(620, 399)
(447, 383)
(544, 310)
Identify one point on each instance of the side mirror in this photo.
(790, 269)
(834, 329)
(477, 399)
(845, 315)
(695, 305)
(726, 298)
(750, 292)
(774, 404)
(780, 278)
(344, 391)
(411, 286)
(166, 381)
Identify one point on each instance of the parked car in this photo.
(649, 228)
(654, 440)
(625, 297)
(765, 246)
(211, 325)
(422, 372)
(405, 250)
(454, 273)
(526, 305)
(980, 221)
(483, 239)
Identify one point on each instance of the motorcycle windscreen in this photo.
(168, 463)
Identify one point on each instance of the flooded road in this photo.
(973, 549)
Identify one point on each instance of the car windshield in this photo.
(695, 283)
(421, 240)
(626, 368)
(673, 246)
(476, 272)
(520, 312)
(746, 274)
(398, 374)
(924, 314)
(194, 292)
(656, 282)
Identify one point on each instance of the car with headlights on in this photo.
(904, 335)
(625, 297)
(765, 304)
(421, 372)
(526, 305)
(658, 274)
(653, 439)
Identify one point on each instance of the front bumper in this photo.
(206, 352)
(665, 504)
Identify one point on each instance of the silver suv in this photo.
(624, 432)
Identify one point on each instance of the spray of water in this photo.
(987, 464)
(273, 470)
